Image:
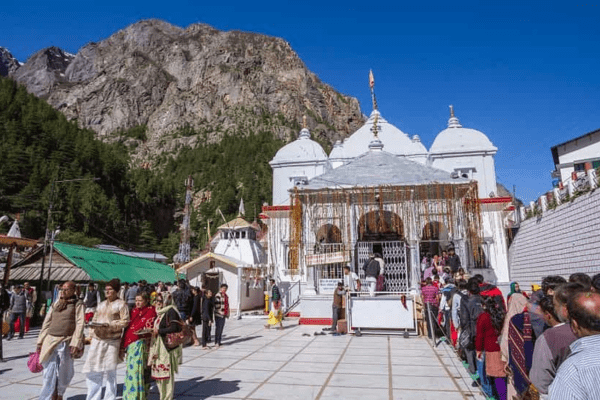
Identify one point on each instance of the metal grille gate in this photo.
(394, 254)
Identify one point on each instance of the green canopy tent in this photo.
(102, 265)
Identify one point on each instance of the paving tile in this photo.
(299, 378)
(315, 358)
(367, 359)
(365, 369)
(426, 395)
(297, 366)
(244, 375)
(351, 393)
(273, 391)
(211, 362)
(418, 370)
(359, 380)
(420, 382)
(258, 365)
(270, 356)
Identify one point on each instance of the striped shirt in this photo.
(430, 294)
(578, 377)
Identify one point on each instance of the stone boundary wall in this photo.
(560, 242)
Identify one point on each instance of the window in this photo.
(465, 172)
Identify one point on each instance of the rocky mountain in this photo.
(184, 86)
(43, 70)
(8, 63)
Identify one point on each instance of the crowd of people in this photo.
(537, 345)
(139, 324)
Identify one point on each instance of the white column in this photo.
(556, 192)
(570, 187)
(593, 178)
(523, 213)
(544, 203)
(239, 305)
(532, 206)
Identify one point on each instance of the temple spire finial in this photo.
(372, 86)
(304, 125)
(453, 122)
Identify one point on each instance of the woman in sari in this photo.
(135, 348)
(517, 313)
(489, 327)
(164, 363)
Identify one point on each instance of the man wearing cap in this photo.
(111, 317)
(336, 307)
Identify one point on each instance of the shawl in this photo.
(517, 304)
(163, 363)
(140, 318)
(520, 346)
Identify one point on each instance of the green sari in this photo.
(137, 378)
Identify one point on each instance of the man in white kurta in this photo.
(61, 339)
(111, 317)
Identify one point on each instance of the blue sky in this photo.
(524, 74)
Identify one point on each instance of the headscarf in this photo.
(167, 305)
(513, 290)
(517, 304)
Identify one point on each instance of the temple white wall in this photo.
(480, 166)
(496, 247)
(560, 242)
(282, 175)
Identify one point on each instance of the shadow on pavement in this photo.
(194, 388)
(207, 389)
(240, 340)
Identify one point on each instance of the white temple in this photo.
(458, 153)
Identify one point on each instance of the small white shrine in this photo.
(235, 258)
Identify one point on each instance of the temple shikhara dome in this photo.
(456, 139)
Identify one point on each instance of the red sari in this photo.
(140, 318)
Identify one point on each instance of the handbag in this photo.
(5, 328)
(181, 338)
(33, 363)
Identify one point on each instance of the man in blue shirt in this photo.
(578, 376)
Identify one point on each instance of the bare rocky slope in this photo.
(8, 63)
(187, 86)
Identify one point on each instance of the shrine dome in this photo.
(456, 139)
(395, 141)
(302, 149)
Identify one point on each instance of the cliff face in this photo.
(8, 63)
(43, 70)
(194, 79)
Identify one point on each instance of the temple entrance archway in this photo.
(381, 225)
(434, 239)
(382, 232)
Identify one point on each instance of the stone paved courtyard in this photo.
(255, 363)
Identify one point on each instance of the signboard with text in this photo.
(329, 258)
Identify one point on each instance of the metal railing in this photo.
(291, 297)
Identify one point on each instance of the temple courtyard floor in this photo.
(293, 363)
